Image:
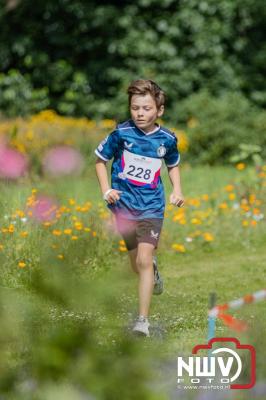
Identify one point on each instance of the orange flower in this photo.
(208, 237)
(240, 166)
(22, 264)
(11, 228)
(57, 232)
(229, 188)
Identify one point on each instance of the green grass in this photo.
(94, 280)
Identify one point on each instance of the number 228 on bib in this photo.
(140, 170)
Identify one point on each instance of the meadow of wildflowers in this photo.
(63, 266)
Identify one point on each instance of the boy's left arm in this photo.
(176, 197)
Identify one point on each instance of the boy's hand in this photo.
(112, 196)
(177, 199)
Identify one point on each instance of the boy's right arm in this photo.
(110, 195)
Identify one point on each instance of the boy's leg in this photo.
(146, 276)
(133, 259)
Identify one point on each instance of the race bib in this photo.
(140, 170)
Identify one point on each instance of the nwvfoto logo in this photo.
(225, 368)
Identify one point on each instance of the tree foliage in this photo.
(83, 54)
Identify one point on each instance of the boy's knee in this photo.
(144, 261)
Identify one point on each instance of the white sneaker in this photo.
(141, 326)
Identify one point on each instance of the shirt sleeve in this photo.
(172, 157)
(108, 147)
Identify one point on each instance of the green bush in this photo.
(18, 97)
(220, 125)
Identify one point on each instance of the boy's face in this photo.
(144, 111)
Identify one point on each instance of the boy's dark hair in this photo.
(144, 86)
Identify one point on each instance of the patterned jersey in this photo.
(137, 161)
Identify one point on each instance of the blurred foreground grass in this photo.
(67, 304)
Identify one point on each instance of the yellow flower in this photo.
(223, 206)
(94, 234)
(252, 198)
(67, 231)
(107, 123)
(24, 234)
(1, 247)
(11, 228)
(179, 247)
(87, 229)
(205, 197)
(46, 223)
(231, 196)
(240, 166)
(57, 232)
(60, 256)
(74, 237)
(78, 226)
(245, 222)
(22, 264)
(122, 248)
(196, 221)
(253, 223)
(20, 213)
(208, 237)
(122, 242)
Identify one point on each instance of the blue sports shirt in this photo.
(137, 161)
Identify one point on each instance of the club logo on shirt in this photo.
(154, 235)
(161, 151)
(128, 145)
(121, 175)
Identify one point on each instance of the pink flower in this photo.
(43, 209)
(13, 164)
(62, 160)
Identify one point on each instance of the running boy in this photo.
(136, 194)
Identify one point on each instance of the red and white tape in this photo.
(250, 298)
(219, 311)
